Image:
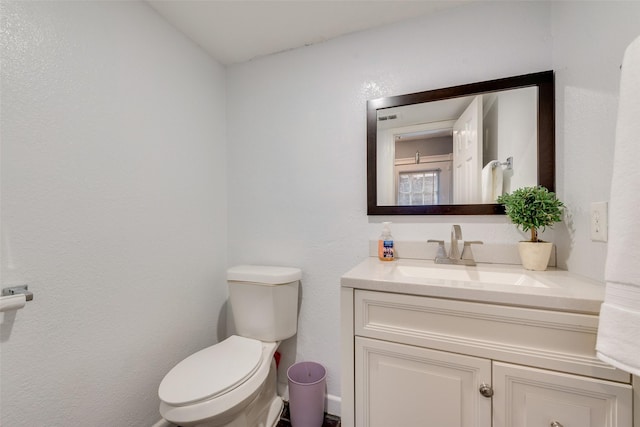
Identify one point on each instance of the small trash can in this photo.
(307, 385)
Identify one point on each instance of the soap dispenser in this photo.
(386, 251)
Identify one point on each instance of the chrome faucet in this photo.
(456, 234)
(454, 256)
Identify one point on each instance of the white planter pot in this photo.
(535, 255)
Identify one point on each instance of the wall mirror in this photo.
(453, 151)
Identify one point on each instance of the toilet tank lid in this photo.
(269, 275)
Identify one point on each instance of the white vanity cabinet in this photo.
(536, 397)
(412, 360)
(402, 385)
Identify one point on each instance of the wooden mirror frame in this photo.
(544, 81)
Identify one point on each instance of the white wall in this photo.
(308, 208)
(113, 209)
(589, 40)
(296, 126)
(114, 182)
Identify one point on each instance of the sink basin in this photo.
(469, 274)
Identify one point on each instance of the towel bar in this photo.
(508, 164)
(16, 290)
(15, 297)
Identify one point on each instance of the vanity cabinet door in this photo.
(529, 397)
(402, 385)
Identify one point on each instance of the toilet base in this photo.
(268, 417)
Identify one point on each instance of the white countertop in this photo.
(492, 283)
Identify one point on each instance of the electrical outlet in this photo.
(599, 222)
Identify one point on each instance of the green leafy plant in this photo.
(532, 208)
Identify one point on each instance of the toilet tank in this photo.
(264, 301)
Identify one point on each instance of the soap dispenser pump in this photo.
(386, 251)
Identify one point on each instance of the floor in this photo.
(329, 420)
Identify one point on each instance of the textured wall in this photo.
(113, 209)
(589, 42)
(308, 208)
(114, 182)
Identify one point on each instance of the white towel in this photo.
(498, 173)
(619, 331)
(491, 181)
(487, 182)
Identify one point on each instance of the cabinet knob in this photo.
(487, 391)
(555, 424)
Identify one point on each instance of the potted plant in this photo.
(533, 209)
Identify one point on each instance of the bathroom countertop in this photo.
(552, 289)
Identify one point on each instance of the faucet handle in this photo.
(473, 242)
(466, 250)
(441, 252)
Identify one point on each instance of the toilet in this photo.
(233, 383)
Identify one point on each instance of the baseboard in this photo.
(163, 423)
(333, 405)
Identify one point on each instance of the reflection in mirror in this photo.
(416, 156)
(455, 150)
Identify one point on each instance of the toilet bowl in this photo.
(233, 383)
(223, 382)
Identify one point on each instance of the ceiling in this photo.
(235, 31)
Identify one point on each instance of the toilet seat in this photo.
(211, 372)
(227, 404)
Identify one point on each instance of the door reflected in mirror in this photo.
(455, 150)
(419, 164)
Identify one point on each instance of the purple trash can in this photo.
(307, 385)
